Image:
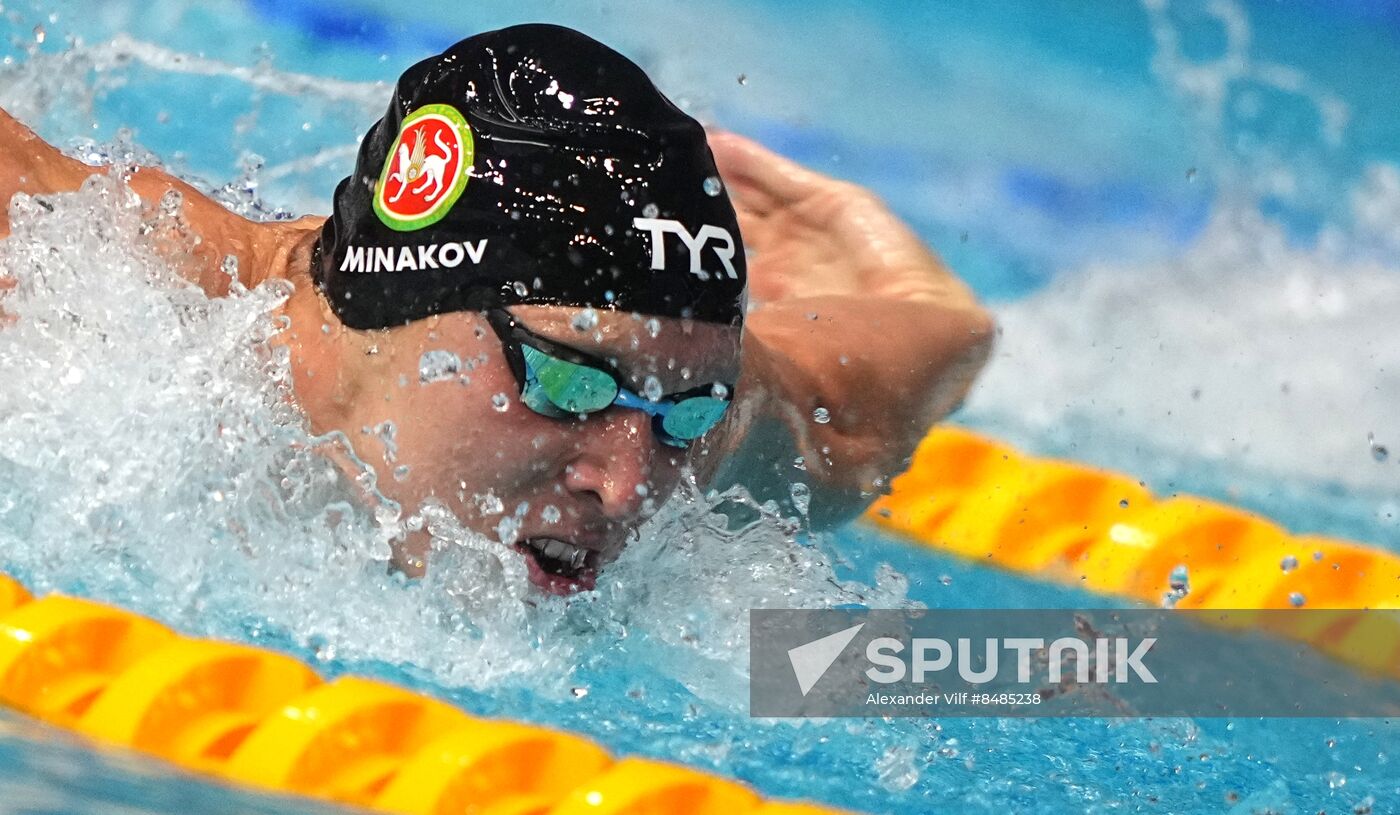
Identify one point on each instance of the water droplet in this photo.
(401, 472)
(653, 326)
(651, 388)
(438, 365)
(1179, 585)
(642, 490)
(1336, 780)
(1297, 599)
(896, 769)
(1191, 174)
(821, 415)
(946, 580)
(1288, 564)
(799, 463)
(490, 504)
(801, 497)
(1123, 503)
(500, 402)
(719, 391)
(39, 34)
(713, 186)
(650, 211)
(550, 514)
(585, 320)
(1379, 452)
(578, 692)
(743, 79)
(520, 288)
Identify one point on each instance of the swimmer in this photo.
(604, 295)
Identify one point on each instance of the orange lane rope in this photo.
(264, 719)
(976, 498)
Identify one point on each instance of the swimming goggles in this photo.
(560, 382)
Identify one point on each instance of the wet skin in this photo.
(586, 481)
(850, 312)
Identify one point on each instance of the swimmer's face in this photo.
(468, 442)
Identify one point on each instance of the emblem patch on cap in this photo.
(426, 170)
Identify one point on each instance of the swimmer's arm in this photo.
(30, 165)
(854, 315)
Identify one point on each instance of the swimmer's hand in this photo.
(851, 313)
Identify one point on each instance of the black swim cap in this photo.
(531, 165)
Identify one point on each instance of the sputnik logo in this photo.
(811, 661)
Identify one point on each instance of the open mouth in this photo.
(559, 567)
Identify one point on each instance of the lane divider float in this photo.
(266, 720)
(979, 499)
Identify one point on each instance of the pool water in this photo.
(1186, 214)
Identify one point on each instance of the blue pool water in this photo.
(1186, 214)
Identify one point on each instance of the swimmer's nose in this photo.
(614, 463)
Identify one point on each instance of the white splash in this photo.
(1247, 349)
(151, 454)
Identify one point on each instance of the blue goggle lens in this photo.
(558, 388)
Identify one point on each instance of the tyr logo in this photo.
(658, 227)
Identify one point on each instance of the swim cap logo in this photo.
(426, 170)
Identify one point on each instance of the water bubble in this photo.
(821, 415)
(1297, 600)
(39, 34)
(520, 288)
(651, 388)
(719, 390)
(578, 692)
(946, 580)
(401, 472)
(650, 211)
(1123, 503)
(1288, 564)
(1336, 780)
(550, 514)
(438, 365)
(799, 463)
(501, 402)
(585, 320)
(743, 79)
(653, 327)
(713, 186)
